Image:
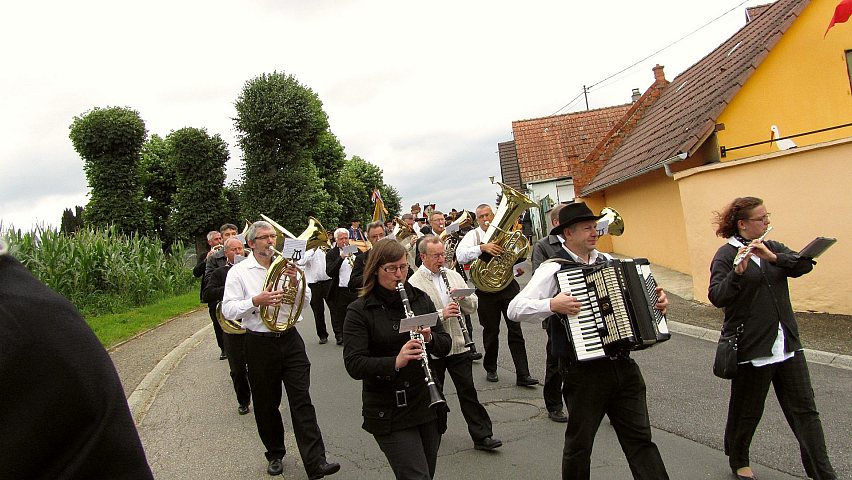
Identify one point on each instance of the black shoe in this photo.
(324, 469)
(491, 376)
(323, 340)
(526, 381)
(475, 356)
(276, 467)
(340, 341)
(557, 416)
(489, 444)
(223, 355)
(243, 409)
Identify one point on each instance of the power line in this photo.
(590, 87)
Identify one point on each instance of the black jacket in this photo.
(545, 248)
(371, 342)
(64, 411)
(758, 299)
(214, 288)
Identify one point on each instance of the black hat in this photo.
(571, 214)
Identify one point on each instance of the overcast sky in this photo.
(424, 90)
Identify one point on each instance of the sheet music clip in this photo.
(350, 249)
(425, 320)
(294, 248)
(452, 228)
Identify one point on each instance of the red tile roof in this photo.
(547, 146)
(685, 114)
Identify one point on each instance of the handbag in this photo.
(725, 363)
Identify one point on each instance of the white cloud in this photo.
(423, 90)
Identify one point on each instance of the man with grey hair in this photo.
(273, 358)
(338, 266)
(214, 239)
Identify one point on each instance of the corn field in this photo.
(102, 271)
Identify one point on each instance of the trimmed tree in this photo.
(198, 203)
(360, 177)
(109, 140)
(158, 184)
(279, 123)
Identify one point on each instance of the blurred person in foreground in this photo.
(65, 414)
(756, 299)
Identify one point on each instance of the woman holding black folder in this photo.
(748, 278)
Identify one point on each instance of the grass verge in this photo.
(116, 327)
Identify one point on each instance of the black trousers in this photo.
(339, 300)
(614, 388)
(552, 390)
(413, 452)
(460, 367)
(792, 383)
(217, 329)
(235, 348)
(493, 306)
(319, 294)
(271, 361)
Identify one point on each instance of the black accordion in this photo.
(617, 311)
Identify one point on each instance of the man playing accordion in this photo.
(612, 385)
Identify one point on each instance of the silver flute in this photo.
(468, 341)
(740, 256)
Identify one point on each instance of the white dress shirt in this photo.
(532, 304)
(433, 285)
(245, 280)
(468, 248)
(345, 273)
(314, 265)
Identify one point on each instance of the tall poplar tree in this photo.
(110, 140)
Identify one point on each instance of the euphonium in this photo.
(294, 295)
(451, 240)
(234, 327)
(492, 274)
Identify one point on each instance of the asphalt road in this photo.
(190, 427)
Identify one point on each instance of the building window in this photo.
(849, 66)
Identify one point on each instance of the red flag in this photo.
(841, 13)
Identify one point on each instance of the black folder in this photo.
(817, 247)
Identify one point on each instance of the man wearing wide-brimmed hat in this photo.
(611, 386)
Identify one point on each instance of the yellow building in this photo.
(706, 137)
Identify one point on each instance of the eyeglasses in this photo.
(394, 268)
(433, 256)
(271, 236)
(764, 218)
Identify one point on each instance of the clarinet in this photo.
(434, 393)
(465, 333)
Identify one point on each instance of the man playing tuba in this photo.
(493, 305)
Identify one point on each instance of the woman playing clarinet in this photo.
(396, 396)
(748, 278)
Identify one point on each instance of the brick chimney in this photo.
(659, 75)
(636, 95)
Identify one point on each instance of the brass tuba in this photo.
(234, 327)
(492, 274)
(401, 231)
(451, 240)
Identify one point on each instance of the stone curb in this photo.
(145, 393)
(814, 356)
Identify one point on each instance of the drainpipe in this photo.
(677, 158)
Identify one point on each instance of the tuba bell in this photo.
(616, 222)
(234, 327)
(492, 274)
(401, 231)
